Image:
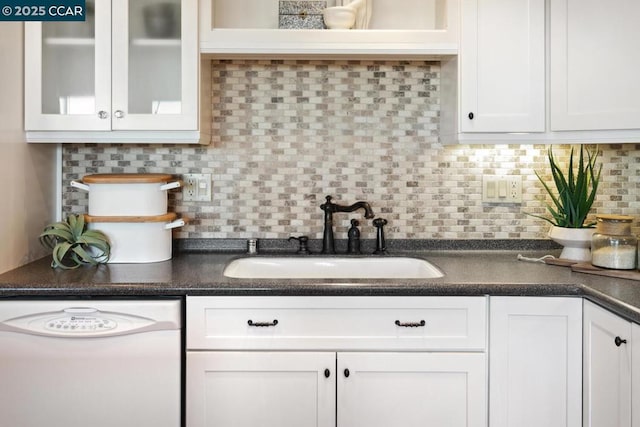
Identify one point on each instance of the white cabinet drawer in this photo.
(337, 323)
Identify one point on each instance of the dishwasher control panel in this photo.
(95, 319)
(80, 324)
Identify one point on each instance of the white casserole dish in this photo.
(137, 239)
(127, 194)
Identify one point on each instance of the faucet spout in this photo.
(328, 243)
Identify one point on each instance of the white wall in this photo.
(27, 171)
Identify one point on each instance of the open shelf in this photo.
(69, 41)
(249, 28)
(156, 42)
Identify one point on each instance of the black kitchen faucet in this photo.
(328, 244)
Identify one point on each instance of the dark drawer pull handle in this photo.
(619, 341)
(327, 373)
(262, 324)
(471, 116)
(411, 324)
(347, 373)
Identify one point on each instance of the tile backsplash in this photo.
(287, 133)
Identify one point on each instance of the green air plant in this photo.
(575, 187)
(73, 246)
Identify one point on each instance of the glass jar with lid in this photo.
(613, 245)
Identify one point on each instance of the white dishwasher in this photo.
(98, 363)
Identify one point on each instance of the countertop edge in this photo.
(468, 273)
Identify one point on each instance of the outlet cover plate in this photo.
(196, 187)
(502, 189)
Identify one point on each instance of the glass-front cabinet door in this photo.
(155, 57)
(68, 72)
(131, 66)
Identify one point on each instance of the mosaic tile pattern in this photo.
(287, 133)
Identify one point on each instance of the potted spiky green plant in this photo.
(72, 245)
(576, 186)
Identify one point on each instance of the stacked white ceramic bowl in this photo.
(131, 209)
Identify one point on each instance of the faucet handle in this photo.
(328, 205)
(303, 249)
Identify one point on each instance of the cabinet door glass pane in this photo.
(155, 57)
(68, 58)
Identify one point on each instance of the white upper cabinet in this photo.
(407, 27)
(68, 72)
(535, 71)
(594, 63)
(502, 66)
(127, 74)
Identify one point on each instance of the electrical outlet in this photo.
(196, 187)
(501, 189)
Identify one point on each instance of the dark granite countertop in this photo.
(467, 272)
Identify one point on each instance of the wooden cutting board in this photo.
(591, 269)
(560, 261)
(586, 267)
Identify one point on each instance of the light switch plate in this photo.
(197, 187)
(502, 189)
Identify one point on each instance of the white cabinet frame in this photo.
(234, 42)
(34, 117)
(112, 123)
(188, 119)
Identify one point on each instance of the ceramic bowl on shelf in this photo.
(339, 17)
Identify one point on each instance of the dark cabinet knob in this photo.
(619, 341)
(471, 116)
(347, 373)
(327, 373)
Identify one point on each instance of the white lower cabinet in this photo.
(607, 368)
(412, 389)
(409, 361)
(267, 389)
(428, 367)
(535, 362)
(635, 375)
(298, 389)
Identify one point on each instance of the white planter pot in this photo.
(137, 239)
(127, 194)
(576, 242)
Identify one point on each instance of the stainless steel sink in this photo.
(330, 267)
